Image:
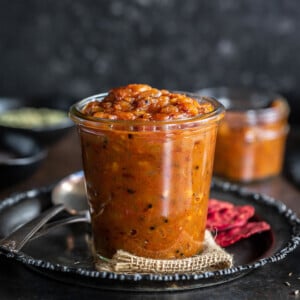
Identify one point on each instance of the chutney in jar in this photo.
(148, 160)
(252, 136)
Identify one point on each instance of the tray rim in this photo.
(235, 271)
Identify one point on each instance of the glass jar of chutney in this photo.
(252, 136)
(148, 173)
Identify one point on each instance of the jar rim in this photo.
(78, 117)
(236, 102)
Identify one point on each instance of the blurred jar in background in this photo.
(251, 138)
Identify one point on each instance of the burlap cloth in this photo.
(212, 258)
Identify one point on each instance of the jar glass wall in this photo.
(148, 182)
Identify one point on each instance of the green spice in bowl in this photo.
(46, 120)
(31, 117)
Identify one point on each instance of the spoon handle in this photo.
(17, 239)
(62, 222)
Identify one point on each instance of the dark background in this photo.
(73, 48)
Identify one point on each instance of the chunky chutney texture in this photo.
(141, 101)
(148, 188)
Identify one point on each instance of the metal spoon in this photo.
(71, 191)
(67, 195)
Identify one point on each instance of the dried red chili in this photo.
(232, 223)
(227, 218)
(231, 236)
(217, 205)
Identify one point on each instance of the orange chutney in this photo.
(250, 144)
(148, 159)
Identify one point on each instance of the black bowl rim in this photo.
(30, 159)
(23, 161)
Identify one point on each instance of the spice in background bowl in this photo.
(44, 119)
(147, 158)
(31, 117)
(251, 139)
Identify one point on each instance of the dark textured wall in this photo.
(77, 48)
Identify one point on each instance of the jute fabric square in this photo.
(212, 258)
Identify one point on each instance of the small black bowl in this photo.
(20, 156)
(46, 134)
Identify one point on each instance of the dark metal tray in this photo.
(63, 254)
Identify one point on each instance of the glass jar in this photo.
(148, 182)
(251, 139)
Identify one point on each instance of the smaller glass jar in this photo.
(251, 138)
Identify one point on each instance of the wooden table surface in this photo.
(268, 282)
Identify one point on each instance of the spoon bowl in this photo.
(70, 192)
(68, 195)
